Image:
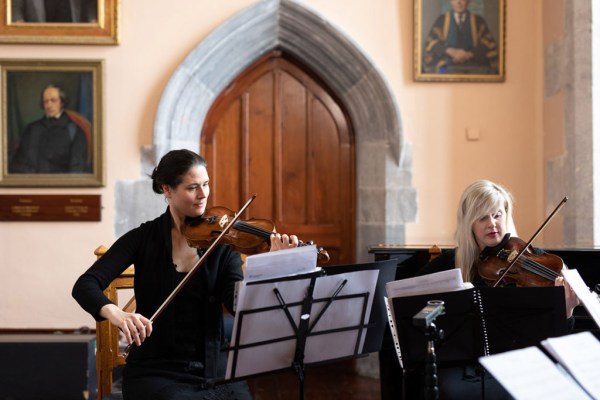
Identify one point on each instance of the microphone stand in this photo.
(431, 390)
(424, 319)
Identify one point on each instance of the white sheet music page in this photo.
(579, 353)
(589, 299)
(341, 317)
(275, 264)
(439, 282)
(528, 374)
(272, 328)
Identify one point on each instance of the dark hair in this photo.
(64, 99)
(173, 166)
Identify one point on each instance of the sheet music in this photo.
(589, 299)
(280, 263)
(341, 313)
(445, 281)
(528, 374)
(266, 326)
(392, 324)
(579, 353)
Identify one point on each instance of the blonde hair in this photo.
(480, 198)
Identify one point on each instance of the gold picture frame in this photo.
(459, 40)
(89, 22)
(36, 151)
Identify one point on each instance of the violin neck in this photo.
(252, 229)
(258, 231)
(242, 226)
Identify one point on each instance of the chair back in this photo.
(108, 353)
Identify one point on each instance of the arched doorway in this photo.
(277, 132)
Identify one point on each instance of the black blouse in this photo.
(198, 309)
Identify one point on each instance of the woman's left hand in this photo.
(571, 299)
(279, 241)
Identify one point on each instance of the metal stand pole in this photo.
(431, 390)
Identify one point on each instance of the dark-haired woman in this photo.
(182, 349)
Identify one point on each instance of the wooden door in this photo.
(277, 133)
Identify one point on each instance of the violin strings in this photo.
(255, 230)
(537, 268)
(534, 267)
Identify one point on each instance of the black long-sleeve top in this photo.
(149, 249)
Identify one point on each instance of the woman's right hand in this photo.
(135, 327)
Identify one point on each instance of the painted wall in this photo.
(40, 261)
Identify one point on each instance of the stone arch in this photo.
(385, 198)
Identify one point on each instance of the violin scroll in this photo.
(322, 255)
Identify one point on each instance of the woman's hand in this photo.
(135, 327)
(280, 242)
(571, 299)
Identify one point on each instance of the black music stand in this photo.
(477, 322)
(378, 320)
(299, 320)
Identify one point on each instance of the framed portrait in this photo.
(459, 40)
(51, 127)
(60, 22)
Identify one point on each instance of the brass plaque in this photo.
(50, 207)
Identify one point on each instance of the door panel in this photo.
(278, 133)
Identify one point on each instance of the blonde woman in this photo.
(484, 223)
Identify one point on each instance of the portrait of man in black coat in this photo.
(55, 143)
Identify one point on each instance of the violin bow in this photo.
(535, 235)
(196, 266)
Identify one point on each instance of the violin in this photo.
(532, 269)
(514, 262)
(251, 236)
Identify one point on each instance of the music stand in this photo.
(461, 326)
(478, 322)
(378, 321)
(521, 317)
(299, 320)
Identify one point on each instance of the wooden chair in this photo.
(108, 353)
